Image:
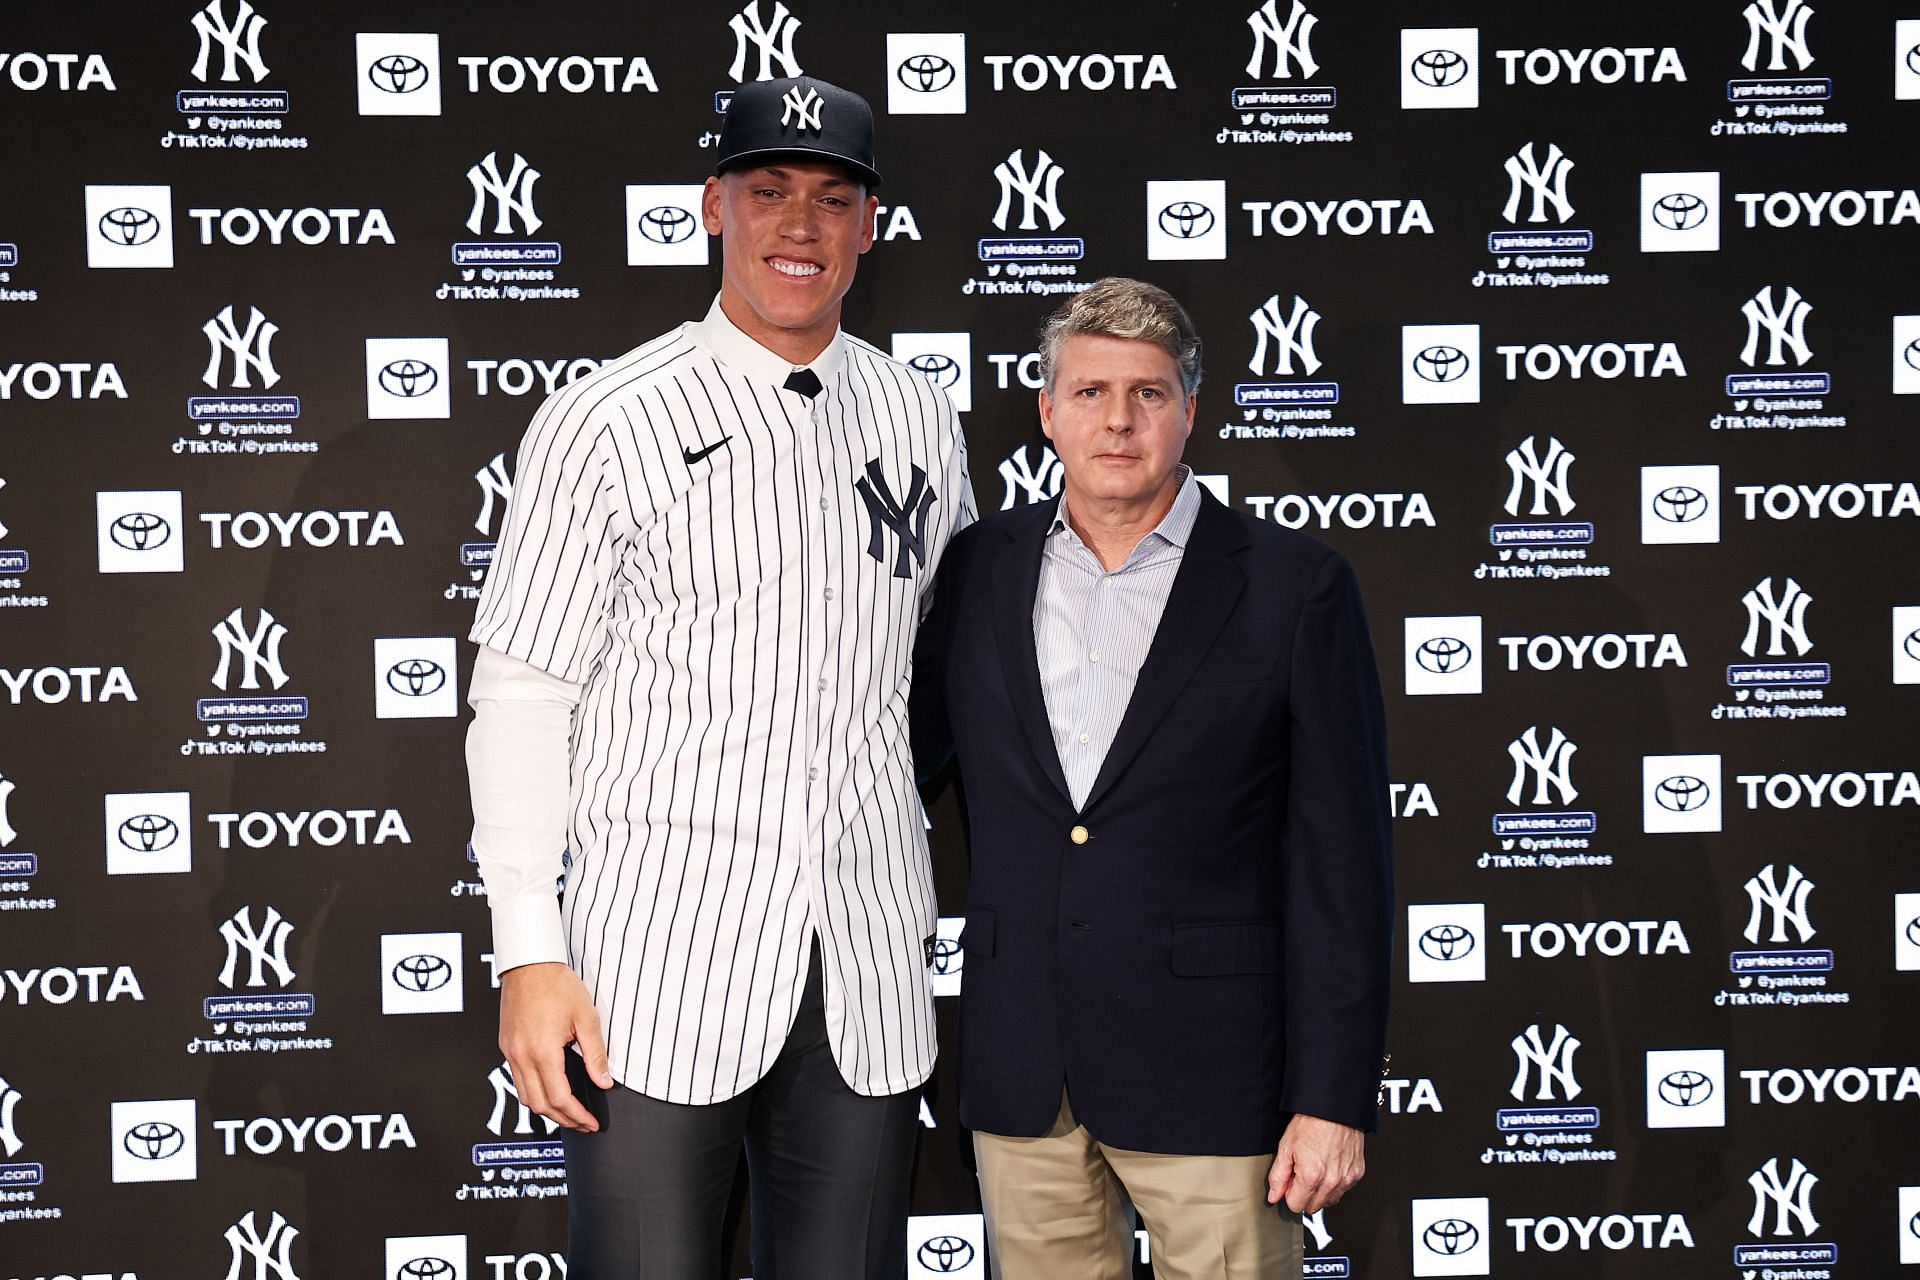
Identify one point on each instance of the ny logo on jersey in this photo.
(1288, 41)
(1787, 902)
(252, 351)
(1038, 188)
(269, 1253)
(1546, 181)
(906, 517)
(1554, 1061)
(773, 40)
(801, 110)
(1291, 336)
(1548, 476)
(239, 41)
(513, 194)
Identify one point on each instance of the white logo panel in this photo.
(1906, 644)
(129, 226)
(397, 74)
(1444, 655)
(421, 973)
(1906, 88)
(1679, 794)
(1906, 355)
(1440, 364)
(415, 678)
(141, 531)
(1679, 213)
(664, 227)
(408, 378)
(426, 1258)
(149, 833)
(1679, 504)
(1186, 221)
(1909, 1222)
(1452, 1237)
(927, 74)
(1439, 68)
(1447, 943)
(1906, 932)
(154, 1141)
(1686, 1088)
(945, 359)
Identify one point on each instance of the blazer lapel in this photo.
(1016, 580)
(1205, 591)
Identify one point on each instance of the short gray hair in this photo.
(1116, 307)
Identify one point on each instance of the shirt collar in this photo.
(1174, 528)
(733, 348)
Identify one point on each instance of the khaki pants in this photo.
(1061, 1206)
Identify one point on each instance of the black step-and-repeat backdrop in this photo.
(1591, 334)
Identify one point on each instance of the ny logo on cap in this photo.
(806, 106)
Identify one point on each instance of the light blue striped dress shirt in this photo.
(1092, 630)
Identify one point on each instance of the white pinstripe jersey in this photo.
(734, 573)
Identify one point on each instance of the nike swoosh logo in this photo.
(694, 455)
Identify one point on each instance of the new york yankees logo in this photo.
(907, 517)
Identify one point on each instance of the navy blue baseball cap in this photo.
(803, 118)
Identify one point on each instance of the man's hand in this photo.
(1319, 1161)
(544, 1008)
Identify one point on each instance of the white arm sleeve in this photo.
(517, 772)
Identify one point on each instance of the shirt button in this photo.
(823, 504)
(1079, 835)
(813, 775)
(1093, 657)
(1085, 738)
(1106, 582)
(822, 684)
(829, 593)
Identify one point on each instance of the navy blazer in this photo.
(1203, 948)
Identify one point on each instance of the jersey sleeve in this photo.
(546, 596)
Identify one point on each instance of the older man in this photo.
(1169, 733)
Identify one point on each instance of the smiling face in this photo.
(1118, 418)
(791, 234)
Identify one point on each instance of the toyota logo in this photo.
(128, 226)
(1679, 211)
(926, 73)
(153, 1140)
(1913, 59)
(666, 224)
(1447, 942)
(1681, 793)
(1912, 354)
(416, 677)
(426, 1269)
(398, 73)
(139, 531)
(408, 379)
(1912, 645)
(1450, 1237)
(1443, 655)
(1186, 219)
(949, 957)
(149, 832)
(1680, 504)
(1913, 931)
(1438, 68)
(422, 973)
(944, 1254)
(1685, 1088)
(1441, 364)
(944, 370)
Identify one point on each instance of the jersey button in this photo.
(1079, 835)
(828, 593)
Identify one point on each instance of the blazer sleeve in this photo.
(1337, 861)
